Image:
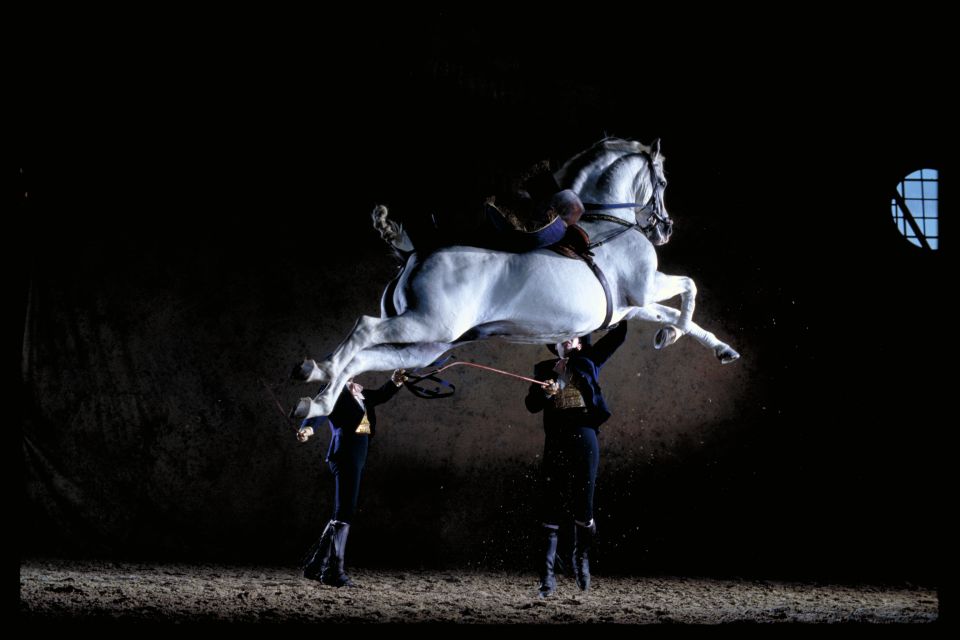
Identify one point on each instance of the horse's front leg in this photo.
(664, 288)
(668, 318)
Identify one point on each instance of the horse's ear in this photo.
(655, 147)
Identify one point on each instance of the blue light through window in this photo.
(915, 208)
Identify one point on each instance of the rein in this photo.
(432, 394)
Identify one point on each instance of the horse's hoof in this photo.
(726, 355)
(303, 409)
(307, 371)
(666, 336)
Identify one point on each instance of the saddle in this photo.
(521, 224)
(575, 243)
(561, 235)
(535, 214)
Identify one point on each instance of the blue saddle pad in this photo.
(506, 238)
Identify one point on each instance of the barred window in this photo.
(915, 208)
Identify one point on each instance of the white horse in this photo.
(461, 294)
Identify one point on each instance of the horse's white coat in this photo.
(460, 294)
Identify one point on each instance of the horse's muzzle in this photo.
(663, 230)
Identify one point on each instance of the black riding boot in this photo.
(332, 570)
(548, 581)
(583, 540)
(317, 556)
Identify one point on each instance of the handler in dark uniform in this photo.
(352, 422)
(574, 409)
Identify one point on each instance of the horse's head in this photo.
(624, 179)
(652, 215)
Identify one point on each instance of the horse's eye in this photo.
(663, 183)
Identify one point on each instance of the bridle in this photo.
(653, 208)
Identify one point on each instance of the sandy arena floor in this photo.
(62, 591)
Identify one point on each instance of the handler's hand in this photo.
(552, 389)
(304, 433)
(399, 377)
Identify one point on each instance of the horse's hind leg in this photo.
(310, 371)
(407, 329)
(666, 335)
(384, 357)
(387, 357)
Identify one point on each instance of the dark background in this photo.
(195, 215)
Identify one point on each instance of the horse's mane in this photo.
(619, 144)
(572, 167)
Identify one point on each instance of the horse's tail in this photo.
(392, 232)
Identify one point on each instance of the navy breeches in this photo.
(347, 456)
(571, 456)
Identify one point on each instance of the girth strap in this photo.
(606, 291)
(587, 257)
